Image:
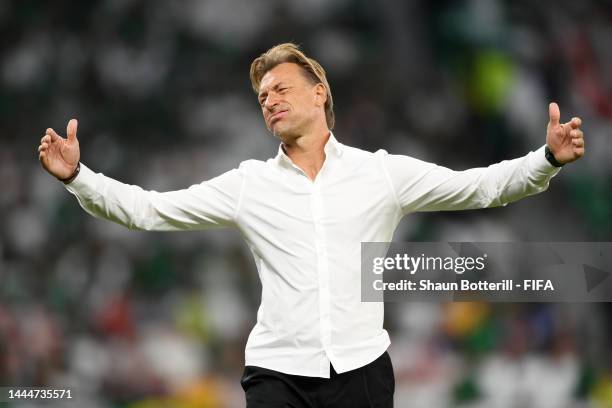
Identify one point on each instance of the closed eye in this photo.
(281, 90)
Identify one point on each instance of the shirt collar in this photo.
(332, 148)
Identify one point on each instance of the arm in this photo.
(422, 186)
(212, 203)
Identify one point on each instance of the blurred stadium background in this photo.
(162, 94)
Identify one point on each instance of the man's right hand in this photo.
(57, 155)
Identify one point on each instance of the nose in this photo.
(270, 101)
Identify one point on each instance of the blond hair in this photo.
(289, 52)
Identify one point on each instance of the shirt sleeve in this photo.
(210, 204)
(423, 186)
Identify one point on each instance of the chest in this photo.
(294, 204)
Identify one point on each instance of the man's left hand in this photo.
(565, 140)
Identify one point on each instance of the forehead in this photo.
(285, 72)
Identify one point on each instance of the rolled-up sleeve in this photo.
(210, 204)
(423, 186)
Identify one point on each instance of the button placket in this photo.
(323, 273)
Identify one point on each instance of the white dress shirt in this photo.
(306, 236)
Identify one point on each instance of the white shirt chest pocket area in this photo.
(278, 213)
(357, 209)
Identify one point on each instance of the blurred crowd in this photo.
(162, 94)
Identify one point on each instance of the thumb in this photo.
(71, 130)
(554, 114)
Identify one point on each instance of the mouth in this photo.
(277, 116)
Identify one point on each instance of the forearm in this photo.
(511, 180)
(422, 186)
(129, 205)
(109, 199)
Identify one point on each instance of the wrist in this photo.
(551, 157)
(74, 175)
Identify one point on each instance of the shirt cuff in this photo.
(83, 183)
(541, 166)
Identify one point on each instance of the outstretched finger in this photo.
(71, 129)
(554, 114)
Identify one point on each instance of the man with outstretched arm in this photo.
(304, 214)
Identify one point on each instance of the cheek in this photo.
(304, 105)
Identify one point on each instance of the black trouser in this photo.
(371, 386)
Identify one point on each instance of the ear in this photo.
(320, 94)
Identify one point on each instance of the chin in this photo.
(282, 132)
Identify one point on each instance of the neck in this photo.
(308, 151)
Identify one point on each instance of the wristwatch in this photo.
(551, 157)
(74, 174)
